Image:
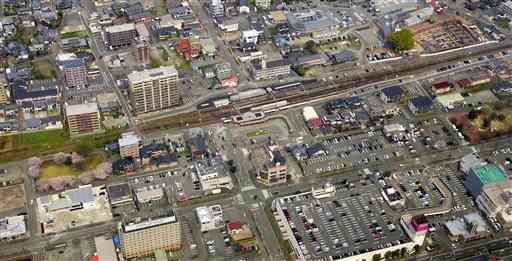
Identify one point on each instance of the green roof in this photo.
(489, 173)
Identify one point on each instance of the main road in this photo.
(107, 75)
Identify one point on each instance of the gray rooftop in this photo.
(157, 73)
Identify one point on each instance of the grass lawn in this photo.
(481, 87)
(52, 170)
(154, 62)
(502, 22)
(42, 69)
(80, 34)
(25, 145)
(255, 134)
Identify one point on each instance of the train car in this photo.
(270, 106)
(205, 105)
(248, 94)
(221, 102)
(285, 86)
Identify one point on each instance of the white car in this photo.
(210, 242)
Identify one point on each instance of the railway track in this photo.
(318, 89)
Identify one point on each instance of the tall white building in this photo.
(154, 89)
(216, 8)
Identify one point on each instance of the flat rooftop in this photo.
(84, 108)
(157, 73)
(120, 28)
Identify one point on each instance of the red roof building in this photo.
(234, 225)
(441, 87)
(229, 82)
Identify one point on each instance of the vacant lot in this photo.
(42, 69)
(13, 197)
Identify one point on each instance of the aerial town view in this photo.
(273, 130)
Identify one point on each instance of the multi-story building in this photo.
(75, 72)
(210, 218)
(12, 228)
(129, 145)
(142, 238)
(154, 89)
(319, 24)
(5, 94)
(216, 8)
(270, 164)
(506, 7)
(495, 201)
(142, 53)
(263, 4)
(480, 176)
(263, 70)
(117, 36)
(83, 118)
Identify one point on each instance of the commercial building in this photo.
(263, 4)
(117, 36)
(154, 89)
(496, 201)
(129, 145)
(12, 228)
(216, 8)
(239, 231)
(390, 6)
(392, 196)
(210, 218)
(506, 7)
(263, 70)
(120, 194)
(416, 227)
(311, 117)
(142, 238)
(482, 175)
(470, 227)
(270, 164)
(84, 205)
(75, 72)
(470, 161)
(450, 100)
(142, 53)
(83, 118)
(318, 24)
(5, 93)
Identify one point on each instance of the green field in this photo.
(25, 145)
(79, 34)
(52, 170)
(255, 134)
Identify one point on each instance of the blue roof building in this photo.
(420, 104)
(391, 94)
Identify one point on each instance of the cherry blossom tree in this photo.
(60, 157)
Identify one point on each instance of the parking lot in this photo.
(352, 151)
(357, 220)
(462, 201)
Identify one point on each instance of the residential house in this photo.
(420, 104)
(391, 94)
